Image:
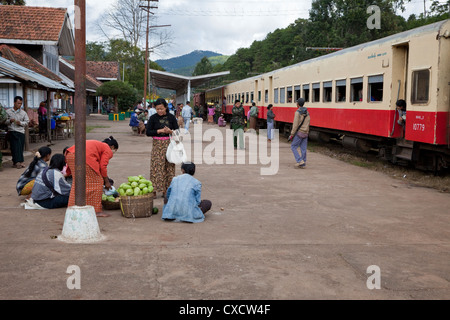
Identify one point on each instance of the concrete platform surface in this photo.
(299, 234)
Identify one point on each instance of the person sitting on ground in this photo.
(51, 189)
(221, 121)
(142, 118)
(66, 173)
(134, 121)
(183, 198)
(27, 179)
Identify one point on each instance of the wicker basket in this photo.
(137, 206)
(108, 205)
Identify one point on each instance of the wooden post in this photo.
(25, 108)
(80, 103)
(49, 118)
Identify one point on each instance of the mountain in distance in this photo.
(185, 64)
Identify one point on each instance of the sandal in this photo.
(103, 215)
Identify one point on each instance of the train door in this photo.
(400, 59)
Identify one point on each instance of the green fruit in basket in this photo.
(126, 187)
(142, 186)
(122, 192)
(145, 191)
(142, 181)
(150, 189)
(155, 210)
(129, 192)
(134, 184)
(104, 197)
(133, 179)
(111, 199)
(136, 191)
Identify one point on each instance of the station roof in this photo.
(171, 81)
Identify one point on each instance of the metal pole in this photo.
(80, 103)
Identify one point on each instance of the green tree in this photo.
(131, 59)
(13, 2)
(95, 51)
(203, 67)
(125, 96)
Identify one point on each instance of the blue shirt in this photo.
(184, 197)
(134, 122)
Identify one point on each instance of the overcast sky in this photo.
(221, 26)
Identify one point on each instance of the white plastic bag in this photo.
(175, 152)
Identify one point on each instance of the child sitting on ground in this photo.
(183, 198)
(221, 122)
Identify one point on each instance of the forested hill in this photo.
(187, 60)
(331, 23)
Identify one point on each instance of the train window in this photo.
(275, 95)
(282, 95)
(243, 97)
(356, 86)
(316, 92)
(266, 96)
(289, 95)
(420, 86)
(246, 97)
(327, 91)
(259, 95)
(306, 92)
(296, 93)
(341, 88)
(375, 88)
(252, 97)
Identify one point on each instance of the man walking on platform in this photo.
(299, 134)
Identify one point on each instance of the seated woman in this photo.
(51, 189)
(221, 121)
(39, 163)
(183, 199)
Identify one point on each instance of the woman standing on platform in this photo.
(98, 155)
(160, 126)
(42, 118)
(270, 122)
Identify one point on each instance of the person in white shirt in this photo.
(187, 113)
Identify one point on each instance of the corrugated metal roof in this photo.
(11, 69)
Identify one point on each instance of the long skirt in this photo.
(94, 185)
(253, 123)
(161, 171)
(270, 130)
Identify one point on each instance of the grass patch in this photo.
(90, 128)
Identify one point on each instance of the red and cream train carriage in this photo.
(351, 94)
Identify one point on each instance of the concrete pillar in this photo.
(80, 225)
(188, 92)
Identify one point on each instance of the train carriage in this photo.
(351, 94)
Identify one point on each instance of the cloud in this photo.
(216, 25)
